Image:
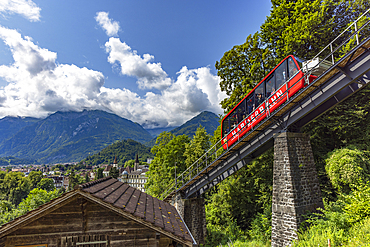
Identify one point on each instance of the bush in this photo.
(345, 222)
(261, 226)
(348, 166)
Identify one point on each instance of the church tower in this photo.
(115, 163)
(136, 166)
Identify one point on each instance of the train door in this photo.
(296, 77)
(281, 74)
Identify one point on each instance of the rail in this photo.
(351, 36)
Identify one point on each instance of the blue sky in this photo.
(148, 61)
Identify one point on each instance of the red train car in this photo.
(265, 98)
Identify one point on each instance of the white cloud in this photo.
(110, 27)
(26, 8)
(43, 86)
(149, 75)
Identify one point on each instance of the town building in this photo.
(104, 212)
(136, 176)
(58, 181)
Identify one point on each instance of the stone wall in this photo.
(194, 214)
(296, 188)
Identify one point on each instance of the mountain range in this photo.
(72, 136)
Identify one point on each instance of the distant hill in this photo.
(124, 150)
(208, 120)
(70, 136)
(9, 126)
(156, 132)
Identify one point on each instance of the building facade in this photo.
(136, 176)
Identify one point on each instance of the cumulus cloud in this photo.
(110, 27)
(149, 75)
(38, 86)
(26, 8)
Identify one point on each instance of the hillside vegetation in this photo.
(238, 210)
(124, 151)
(69, 136)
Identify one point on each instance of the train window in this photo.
(250, 103)
(292, 67)
(240, 110)
(233, 120)
(270, 86)
(225, 126)
(280, 74)
(260, 93)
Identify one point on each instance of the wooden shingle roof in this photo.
(150, 209)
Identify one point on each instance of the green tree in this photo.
(241, 68)
(197, 146)
(99, 173)
(168, 151)
(35, 177)
(87, 178)
(130, 163)
(16, 186)
(114, 172)
(35, 198)
(348, 166)
(74, 179)
(46, 184)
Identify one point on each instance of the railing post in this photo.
(332, 55)
(358, 42)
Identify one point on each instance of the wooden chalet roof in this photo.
(139, 204)
(121, 198)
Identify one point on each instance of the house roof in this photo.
(138, 203)
(122, 198)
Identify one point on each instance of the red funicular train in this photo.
(265, 98)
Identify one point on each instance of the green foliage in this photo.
(114, 172)
(358, 203)
(208, 120)
(344, 222)
(168, 151)
(35, 198)
(261, 226)
(35, 177)
(197, 146)
(99, 173)
(124, 150)
(14, 187)
(348, 166)
(5, 161)
(243, 195)
(241, 68)
(131, 163)
(222, 235)
(75, 179)
(46, 184)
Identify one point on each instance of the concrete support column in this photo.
(296, 188)
(194, 214)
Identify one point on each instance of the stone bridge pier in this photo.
(193, 213)
(296, 188)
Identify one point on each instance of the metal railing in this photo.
(351, 36)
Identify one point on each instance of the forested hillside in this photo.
(124, 150)
(208, 120)
(239, 208)
(70, 136)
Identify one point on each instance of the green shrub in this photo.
(358, 203)
(348, 166)
(261, 226)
